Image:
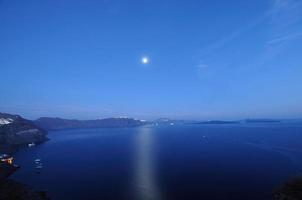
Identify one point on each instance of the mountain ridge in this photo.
(55, 123)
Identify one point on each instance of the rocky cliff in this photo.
(16, 131)
(49, 123)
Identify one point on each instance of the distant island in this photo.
(49, 123)
(218, 122)
(247, 121)
(262, 121)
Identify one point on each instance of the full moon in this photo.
(145, 60)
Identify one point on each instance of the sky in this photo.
(207, 59)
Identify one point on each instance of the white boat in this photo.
(39, 164)
(31, 144)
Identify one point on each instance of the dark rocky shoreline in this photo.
(15, 133)
(12, 190)
(290, 190)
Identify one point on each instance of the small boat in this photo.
(39, 166)
(31, 144)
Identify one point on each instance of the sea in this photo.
(179, 162)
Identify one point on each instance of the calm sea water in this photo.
(229, 162)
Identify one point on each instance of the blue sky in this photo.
(208, 59)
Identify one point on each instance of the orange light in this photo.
(8, 160)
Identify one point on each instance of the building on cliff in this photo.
(6, 166)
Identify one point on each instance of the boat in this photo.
(31, 144)
(38, 166)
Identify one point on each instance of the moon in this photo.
(145, 60)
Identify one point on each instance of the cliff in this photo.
(16, 131)
(49, 123)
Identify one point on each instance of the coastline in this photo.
(11, 189)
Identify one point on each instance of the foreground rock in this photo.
(11, 190)
(291, 190)
(6, 170)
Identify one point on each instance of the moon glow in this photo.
(145, 60)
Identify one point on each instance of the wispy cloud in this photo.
(285, 16)
(218, 44)
(211, 50)
(285, 27)
(202, 66)
(204, 70)
(284, 38)
(283, 19)
(287, 7)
